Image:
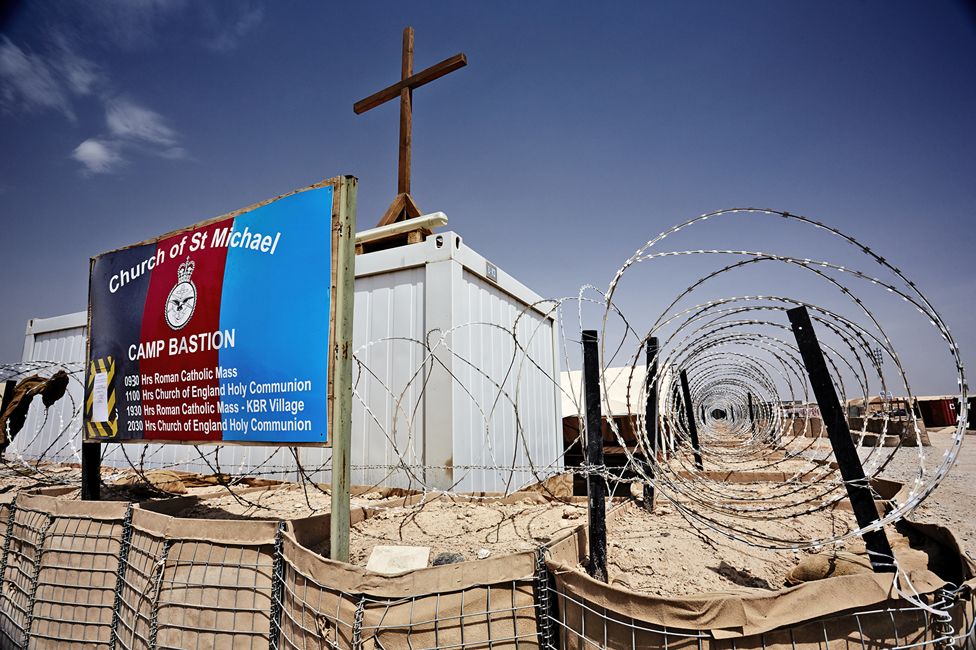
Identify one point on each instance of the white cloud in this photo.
(131, 127)
(228, 39)
(81, 75)
(29, 82)
(32, 82)
(130, 121)
(98, 156)
(58, 76)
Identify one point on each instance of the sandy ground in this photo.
(15, 477)
(134, 494)
(464, 528)
(278, 503)
(662, 554)
(647, 551)
(953, 503)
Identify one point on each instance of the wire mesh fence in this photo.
(60, 565)
(114, 575)
(326, 604)
(196, 584)
(581, 623)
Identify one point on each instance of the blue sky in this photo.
(577, 132)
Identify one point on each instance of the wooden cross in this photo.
(403, 206)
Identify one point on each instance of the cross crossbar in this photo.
(423, 77)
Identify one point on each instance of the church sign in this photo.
(220, 332)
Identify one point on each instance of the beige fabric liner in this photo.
(483, 603)
(76, 579)
(736, 614)
(214, 589)
(478, 603)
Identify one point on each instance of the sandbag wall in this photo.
(196, 583)
(82, 574)
(855, 611)
(480, 604)
(109, 575)
(58, 572)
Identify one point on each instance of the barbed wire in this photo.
(518, 408)
(730, 349)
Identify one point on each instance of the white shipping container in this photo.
(456, 381)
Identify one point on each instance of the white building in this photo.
(446, 420)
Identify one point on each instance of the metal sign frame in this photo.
(339, 329)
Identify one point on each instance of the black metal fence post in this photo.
(595, 482)
(834, 420)
(752, 417)
(692, 425)
(674, 441)
(650, 418)
(277, 587)
(91, 470)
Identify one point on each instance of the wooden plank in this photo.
(406, 114)
(402, 208)
(415, 81)
(341, 434)
(410, 209)
(393, 212)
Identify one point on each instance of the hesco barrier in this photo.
(196, 583)
(853, 611)
(59, 574)
(109, 575)
(498, 602)
(491, 603)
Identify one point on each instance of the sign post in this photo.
(91, 471)
(345, 277)
(235, 330)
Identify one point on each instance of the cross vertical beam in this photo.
(858, 488)
(406, 114)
